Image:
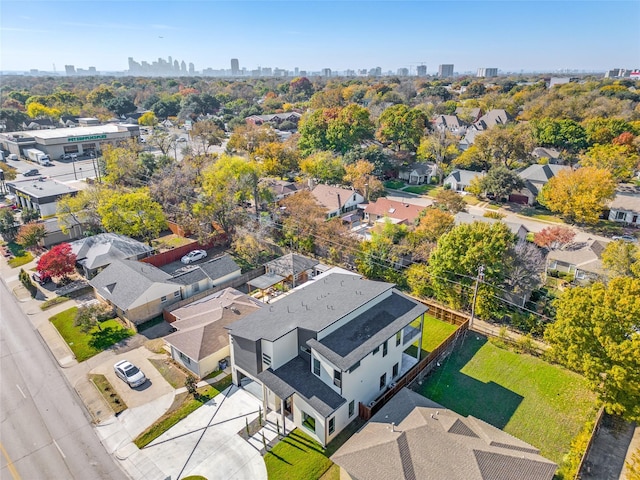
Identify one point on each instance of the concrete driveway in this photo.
(155, 387)
(207, 442)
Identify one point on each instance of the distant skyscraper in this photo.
(176, 66)
(445, 71)
(326, 72)
(235, 67)
(487, 72)
(192, 68)
(403, 72)
(422, 70)
(183, 67)
(70, 70)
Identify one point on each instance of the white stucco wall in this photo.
(283, 349)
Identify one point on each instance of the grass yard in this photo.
(170, 241)
(174, 415)
(52, 302)
(434, 333)
(173, 374)
(540, 403)
(86, 345)
(394, 184)
(20, 255)
(297, 457)
(470, 200)
(420, 189)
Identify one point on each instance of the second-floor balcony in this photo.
(410, 334)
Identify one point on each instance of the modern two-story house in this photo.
(327, 347)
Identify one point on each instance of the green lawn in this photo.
(190, 405)
(297, 457)
(540, 403)
(434, 333)
(420, 189)
(20, 255)
(86, 345)
(470, 200)
(394, 184)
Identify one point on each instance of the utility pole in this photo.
(479, 279)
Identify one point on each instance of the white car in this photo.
(129, 373)
(626, 238)
(193, 256)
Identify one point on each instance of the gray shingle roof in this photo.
(464, 177)
(296, 377)
(431, 442)
(98, 250)
(541, 173)
(356, 339)
(191, 276)
(290, 264)
(313, 307)
(219, 267)
(123, 282)
(464, 217)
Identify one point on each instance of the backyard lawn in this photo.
(297, 457)
(433, 334)
(86, 345)
(540, 403)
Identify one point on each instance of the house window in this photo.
(383, 381)
(266, 359)
(308, 422)
(385, 349)
(184, 358)
(580, 275)
(176, 294)
(337, 378)
(332, 425)
(376, 350)
(620, 215)
(316, 367)
(352, 408)
(354, 367)
(398, 338)
(163, 299)
(553, 265)
(395, 370)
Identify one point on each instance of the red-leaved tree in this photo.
(60, 261)
(554, 238)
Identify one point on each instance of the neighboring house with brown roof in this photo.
(582, 260)
(336, 200)
(418, 173)
(412, 438)
(282, 188)
(201, 339)
(625, 207)
(275, 118)
(535, 177)
(492, 118)
(397, 212)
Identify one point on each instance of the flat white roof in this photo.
(73, 132)
(43, 188)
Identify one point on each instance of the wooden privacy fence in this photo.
(419, 370)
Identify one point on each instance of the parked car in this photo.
(66, 156)
(129, 373)
(32, 173)
(13, 156)
(40, 278)
(193, 256)
(626, 238)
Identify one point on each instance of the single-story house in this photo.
(282, 188)
(418, 173)
(459, 180)
(69, 121)
(412, 437)
(472, 114)
(290, 269)
(551, 154)
(275, 118)
(97, 252)
(201, 339)
(492, 118)
(397, 212)
(38, 124)
(450, 123)
(625, 206)
(582, 260)
(518, 229)
(336, 200)
(54, 234)
(206, 275)
(535, 177)
(138, 291)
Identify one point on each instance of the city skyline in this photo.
(512, 36)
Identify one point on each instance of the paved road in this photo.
(62, 171)
(44, 432)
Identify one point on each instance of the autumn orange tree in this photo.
(579, 195)
(30, 234)
(554, 237)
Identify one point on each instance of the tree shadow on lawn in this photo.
(108, 336)
(466, 395)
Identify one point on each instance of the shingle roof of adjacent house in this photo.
(295, 377)
(448, 121)
(541, 173)
(356, 339)
(464, 177)
(585, 257)
(330, 197)
(629, 203)
(383, 207)
(290, 264)
(99, 250)
(492, 118)
(514, 227)
(314, 307)
(546, 152)
(201, 324)
(128, 283)
(412, 438)
(215, 269)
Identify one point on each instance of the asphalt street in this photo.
(44, 431)
(66, 171)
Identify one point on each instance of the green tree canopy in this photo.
(597, 333)
(620, 160)
(402, 127)
(501, 182)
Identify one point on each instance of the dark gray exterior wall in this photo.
(247, 355)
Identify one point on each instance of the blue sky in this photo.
(512, 35)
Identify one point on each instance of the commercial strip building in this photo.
(77, 140)
(40, 194)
